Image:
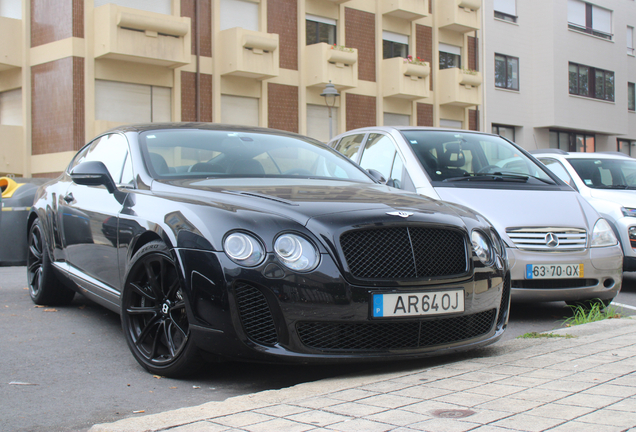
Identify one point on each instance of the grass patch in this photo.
(535, 335)
(595, 311)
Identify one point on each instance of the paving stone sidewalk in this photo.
(583, 383)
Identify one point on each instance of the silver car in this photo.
(608, 182)
(558, 246)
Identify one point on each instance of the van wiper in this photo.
(490, 177)
(621, 187)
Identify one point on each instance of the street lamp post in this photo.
(330, 93)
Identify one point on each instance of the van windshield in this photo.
(449, 156)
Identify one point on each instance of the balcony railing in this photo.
(145, 37)
(405, 80)
(324, 63)
(406, 9)
(11, 46)
(459, 87)
(248, 53)
(462, 16)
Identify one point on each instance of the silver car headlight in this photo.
(296, 252)
(243, 249)
(482, 247)
(602, 235)
(628, 212)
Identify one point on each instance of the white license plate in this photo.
(418, 304)
(554, 271)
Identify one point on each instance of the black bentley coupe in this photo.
(247, 243)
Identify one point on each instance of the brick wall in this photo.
(53, 20)
(188, 97)
(424, 46)
(282, 107)
(57, 108)
(473, 120)
(205, 39)
(424, 114)
(360, 34)
(282, 19)
(473, 57)
(361, 111)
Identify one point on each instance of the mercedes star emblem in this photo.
(551, 240)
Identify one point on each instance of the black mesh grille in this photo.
(554, 283)
(505, 297)
(394, 335)
(404, 253)
(255, 314)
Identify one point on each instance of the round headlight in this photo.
(481, 246)
(296, 252)
(243, 249)
(602, 235)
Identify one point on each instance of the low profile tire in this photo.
(589, 304)
(154, 317)
(44, 286)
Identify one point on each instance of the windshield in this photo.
(199, 153)
(599, 173)
(449, 156)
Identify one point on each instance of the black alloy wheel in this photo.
(154, 316)
(44, 286)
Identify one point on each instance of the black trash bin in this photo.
(17, 199)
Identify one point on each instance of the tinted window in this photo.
(606, 173)
(112, 150)
(217, 154)
(557, 168)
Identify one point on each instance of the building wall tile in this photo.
(282, 18)
(57, 109)
(188, 96)
(360, 34)
(424, 114)
(361, 111)
(424, 46)
(282, 107)
(188, 9)
(473, 61)
(53, 20)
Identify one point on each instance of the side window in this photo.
(112, 150)
(558, 169)
(127, 175)
(350, 146)
(378, 154)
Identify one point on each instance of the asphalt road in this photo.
(67, 368)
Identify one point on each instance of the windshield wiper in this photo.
(490, 177)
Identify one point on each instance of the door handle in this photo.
(69, 198)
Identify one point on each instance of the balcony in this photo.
(337, 1)
(144, 37)
(12, 149)
(11, 46)
(462, 16)
(406, 9)
(324, 63)
(405, 80)
(459, 87)
(248, 53)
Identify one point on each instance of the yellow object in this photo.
(8, 186)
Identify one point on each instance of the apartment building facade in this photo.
(561, 73)
(69, 70)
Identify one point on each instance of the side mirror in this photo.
(377, 175)
(93, 173)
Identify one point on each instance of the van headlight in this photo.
(602, 235)
(482, 247)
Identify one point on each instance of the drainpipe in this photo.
(197, 47)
